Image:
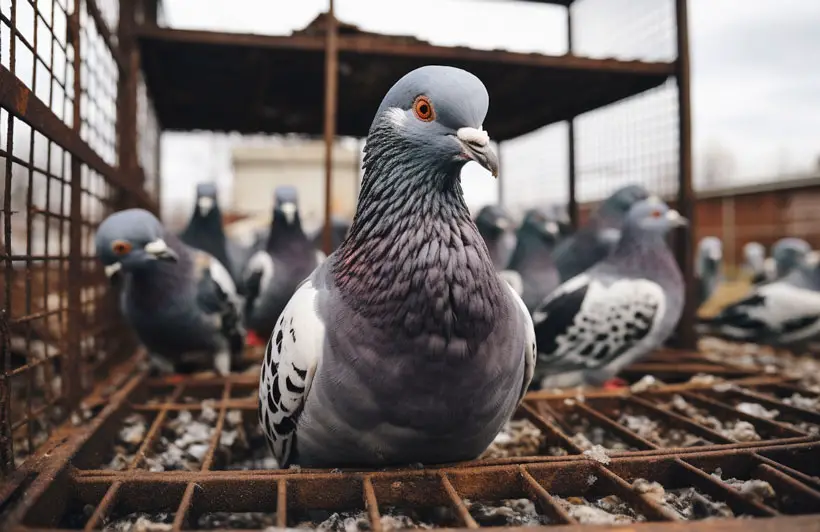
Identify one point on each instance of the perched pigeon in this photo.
(532, 258)
(405, 346)
(338, 232)
(619, 310)
(273, 273)
(787, 254)
(181, 301)
(785, 312)
(708, 265)
(205, 231)
(596, 240)
(754, 257)
(496, 228)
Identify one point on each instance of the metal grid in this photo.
(58, 158)
(94, 494)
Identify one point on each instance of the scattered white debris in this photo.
(758, 410)
(759, 490)
(509, 512)
(609, 510)
(647, 382)
(598, 453)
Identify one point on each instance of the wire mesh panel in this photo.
(58, 162)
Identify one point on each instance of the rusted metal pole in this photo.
(572, 206)
(331, 82)
(500, 183)
(686, 328)
(127, 97)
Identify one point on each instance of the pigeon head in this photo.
(130, 240)
(754, 254)
(710, 253)
(493, 219)
(286, 206)
(436, 113)
(619, 203)
(539, 222)
(655, 216)
(205, 199)
(788, 253)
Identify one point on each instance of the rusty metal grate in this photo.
(691, 432)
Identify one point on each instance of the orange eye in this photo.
(656, 214)
(423, 109)
(120, 247)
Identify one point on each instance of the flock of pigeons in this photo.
(417, 338)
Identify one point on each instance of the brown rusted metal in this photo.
(331, 98)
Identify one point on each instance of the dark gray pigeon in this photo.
(405, 346)
(598, 237)
(754, 261)
(273, 273)
(784, 312)
(619, 310)
(708, 267)
(181, 301)
(532, 258)
(496, 227)
(205, 231)
(787, 254)
(338, 232)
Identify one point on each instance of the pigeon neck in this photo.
(530, 248)
(637, 245)
(413, 262)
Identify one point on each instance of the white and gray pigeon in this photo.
(784, 312)
(754, 258)
(273, 273)
(405, 346)
(532, 260)
(181, 301)
(593, 242)
(787, 254)
(616, 312)
(708, 267)
(497, 229)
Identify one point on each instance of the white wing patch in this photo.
(612, 320)
(785, 303)
(222, 278)
(262, 262)
(291, 357)
(530, 349)
(513, 278)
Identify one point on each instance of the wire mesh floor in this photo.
(704, 438)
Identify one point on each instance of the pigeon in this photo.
(595, 241)
(404, 347)
(496, 228)
(205, 231)
(754, 257)
(784, 312)
(338, 232)
(787, 254)
(273, 273)
(532, 258)
(619, 310)
(181, 301)
(708, 265)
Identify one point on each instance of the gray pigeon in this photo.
(754, 257)
(496, 228)
(593, 242)
(785, 312)
(273, 273)
(708, 264)
(787, 254)
(619, 310)
(405, 346)
(181, 301)
(532, 258)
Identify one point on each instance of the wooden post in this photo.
(331, 82)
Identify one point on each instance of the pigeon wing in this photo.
(291, 357)
(530, 349)
(217, 297)
(257, 276)
(586, 324)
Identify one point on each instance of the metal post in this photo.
(127, 98)
(500, 183)
(331, 80)
(572, 206)
(684, 251)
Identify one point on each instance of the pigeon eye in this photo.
(423, 109)
(655, 214)
(120, 247)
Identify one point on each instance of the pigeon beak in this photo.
(289, 210)
(551, 228)
(502, 223)
(675, 218)
(475, 146)
(112, 269)
(160, 251)
(205, 204)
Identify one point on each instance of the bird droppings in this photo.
(397, 518)
(800, 401)
(758, 410)
(688, 503)
(735, 429)
(598, 453)
(128, 441)
(242, 444)
(658, 433)
(647, 382)
(139, 522)
(609, 510)
(508, 512)
(587, 435)
(520, 437)
(236, 520)
(758, 490)
(705, 379)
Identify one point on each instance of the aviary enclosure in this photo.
(89, 441)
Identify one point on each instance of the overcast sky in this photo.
(756, 84)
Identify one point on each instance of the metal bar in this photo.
(458, 502)
(105, 33)
(281, 503)
(546, 499)
(371, 504)
(331, 88)
(685, 201)
(127, 101)
(500, 177)
(572, 158)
